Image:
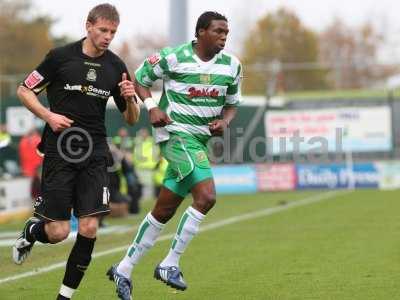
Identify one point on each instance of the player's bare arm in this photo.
(157, 117)
(217, 127)
(57, 122)
(132, 112)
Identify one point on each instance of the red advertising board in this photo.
(276, 177)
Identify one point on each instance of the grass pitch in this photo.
(345, 246)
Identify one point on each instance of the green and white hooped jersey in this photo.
(194, 91)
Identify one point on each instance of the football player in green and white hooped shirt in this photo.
(201, 89)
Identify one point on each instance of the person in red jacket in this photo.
(29, 158)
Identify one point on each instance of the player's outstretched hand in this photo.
(217, 127)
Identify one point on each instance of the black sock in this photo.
(61, 297)
(78, 261)
(37, 233)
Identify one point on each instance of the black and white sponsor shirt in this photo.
(78, 87)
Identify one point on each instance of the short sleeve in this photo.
(152, 69)
(233, 93)
(43, 75)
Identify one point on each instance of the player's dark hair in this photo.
(105, 11)
(206, 18)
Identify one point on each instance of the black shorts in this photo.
(82, 187)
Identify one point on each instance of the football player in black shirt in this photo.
(79, 78)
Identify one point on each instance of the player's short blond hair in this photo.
(104, 11)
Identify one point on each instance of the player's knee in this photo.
(88, 227)
(205, 202)
(164, 214)
(89, 231)
(58, 231)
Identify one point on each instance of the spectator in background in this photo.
(29, 158)
(159, 174)
(5, 137)
(8, 155)
(133, 184)
(146, 155)
(123, 141)
(125, 188)
(119, 202)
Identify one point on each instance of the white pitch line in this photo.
(117, 229)
(235, 219)
(8, 234)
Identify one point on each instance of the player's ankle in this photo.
(65, 292)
